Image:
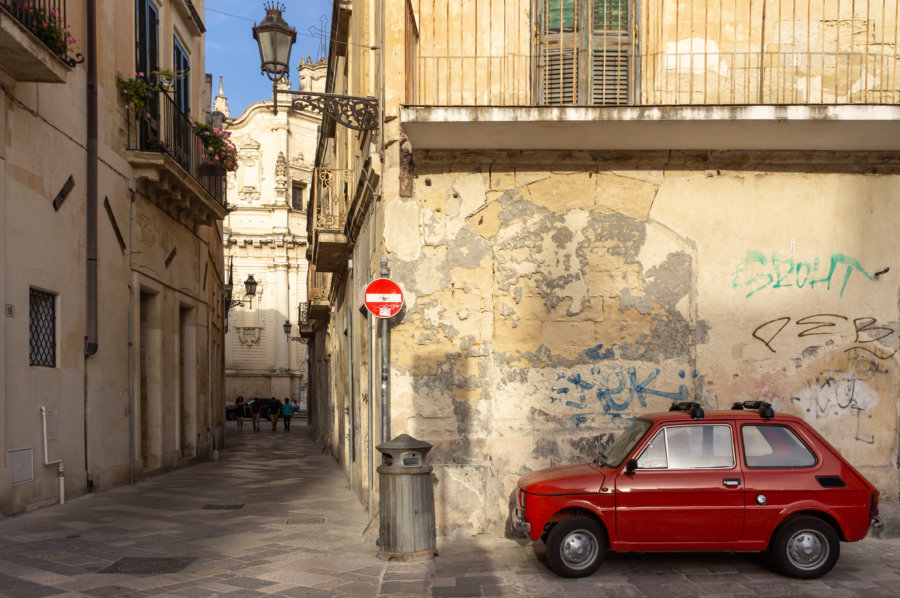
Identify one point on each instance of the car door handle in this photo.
(731, 482)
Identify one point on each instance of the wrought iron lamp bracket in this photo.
(353, 112)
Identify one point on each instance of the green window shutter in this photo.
(610, 77)
(610, 15)
(560, 15)
(560, 85)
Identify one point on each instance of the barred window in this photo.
(42, 328)
(584, 52)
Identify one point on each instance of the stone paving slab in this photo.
(301, 532)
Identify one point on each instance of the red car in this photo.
(737, 481)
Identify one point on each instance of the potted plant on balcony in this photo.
(46, 25)
(164, 78)
(134, 91)
(219, 152)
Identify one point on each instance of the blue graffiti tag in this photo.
(615, 390)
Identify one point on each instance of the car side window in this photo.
(703, 446)
(774, 446)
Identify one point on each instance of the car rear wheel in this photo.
(805, 548)
(576, 547)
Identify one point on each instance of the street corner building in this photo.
(596, 208)
(111, 267)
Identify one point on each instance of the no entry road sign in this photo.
(383, 298)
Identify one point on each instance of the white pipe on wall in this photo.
(61, 472)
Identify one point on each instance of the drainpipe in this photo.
(92, 160)
(130, 338)
(61, 472)
(90, 340)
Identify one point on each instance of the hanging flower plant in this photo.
(218, 148)
(134, 91)
(164, 78)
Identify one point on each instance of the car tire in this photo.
(576, 547)
(805, 548)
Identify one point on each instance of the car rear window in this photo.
(774, 446)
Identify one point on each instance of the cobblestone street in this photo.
(275, 517)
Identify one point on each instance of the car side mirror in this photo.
(630, 466)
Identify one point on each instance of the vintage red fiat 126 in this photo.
(742, 480)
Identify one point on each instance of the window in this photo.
(181, 67)
(42, 328)
(775, 446)
(584, 52)
(146, 36)
(297, 197)
(707, 446)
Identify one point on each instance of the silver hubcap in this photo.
(807, 549)
(579, 549)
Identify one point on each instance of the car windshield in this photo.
(616, 453)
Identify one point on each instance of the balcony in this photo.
(672, 74)
(317, 306)
(168, 160)
(34, 40)
(329, 245)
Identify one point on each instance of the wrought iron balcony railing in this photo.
(46, 19)
(665, 52)
(167, 130)
(330, 197)
(317, 285)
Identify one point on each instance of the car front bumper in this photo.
(519, 521)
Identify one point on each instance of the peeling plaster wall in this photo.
(550, 300)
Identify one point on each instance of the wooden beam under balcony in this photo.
(25, 57)
(854, 127)
(319, 309)
(330, 251)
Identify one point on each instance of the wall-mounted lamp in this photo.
(249, 289)
(275, 38)
(287, 332)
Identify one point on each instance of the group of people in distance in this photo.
(285, 410)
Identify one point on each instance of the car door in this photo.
(687, 488)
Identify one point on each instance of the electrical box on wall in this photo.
(21, 464)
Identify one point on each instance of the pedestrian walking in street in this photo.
(254, 413)
(286, 413)
(274, 411)
(239, 411)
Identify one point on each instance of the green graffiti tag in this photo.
(758, 271)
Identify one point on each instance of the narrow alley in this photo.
(275, 517)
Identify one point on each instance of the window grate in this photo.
(42, 328)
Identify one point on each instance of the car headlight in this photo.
(521, 499)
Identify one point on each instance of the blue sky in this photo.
(232, 52)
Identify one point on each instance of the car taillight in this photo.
(521, 499)
(873, 506)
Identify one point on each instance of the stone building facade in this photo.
(593, 217)
(111, 254)
(265, 236)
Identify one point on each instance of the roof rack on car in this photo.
(691, 407)
(764, 408)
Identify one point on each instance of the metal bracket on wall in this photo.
(171, 256)
(115, 225)
(63, 193)
(357, 113)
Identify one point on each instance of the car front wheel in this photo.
(805, 548)
(576, 547)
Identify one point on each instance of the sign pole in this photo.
(385, 367)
